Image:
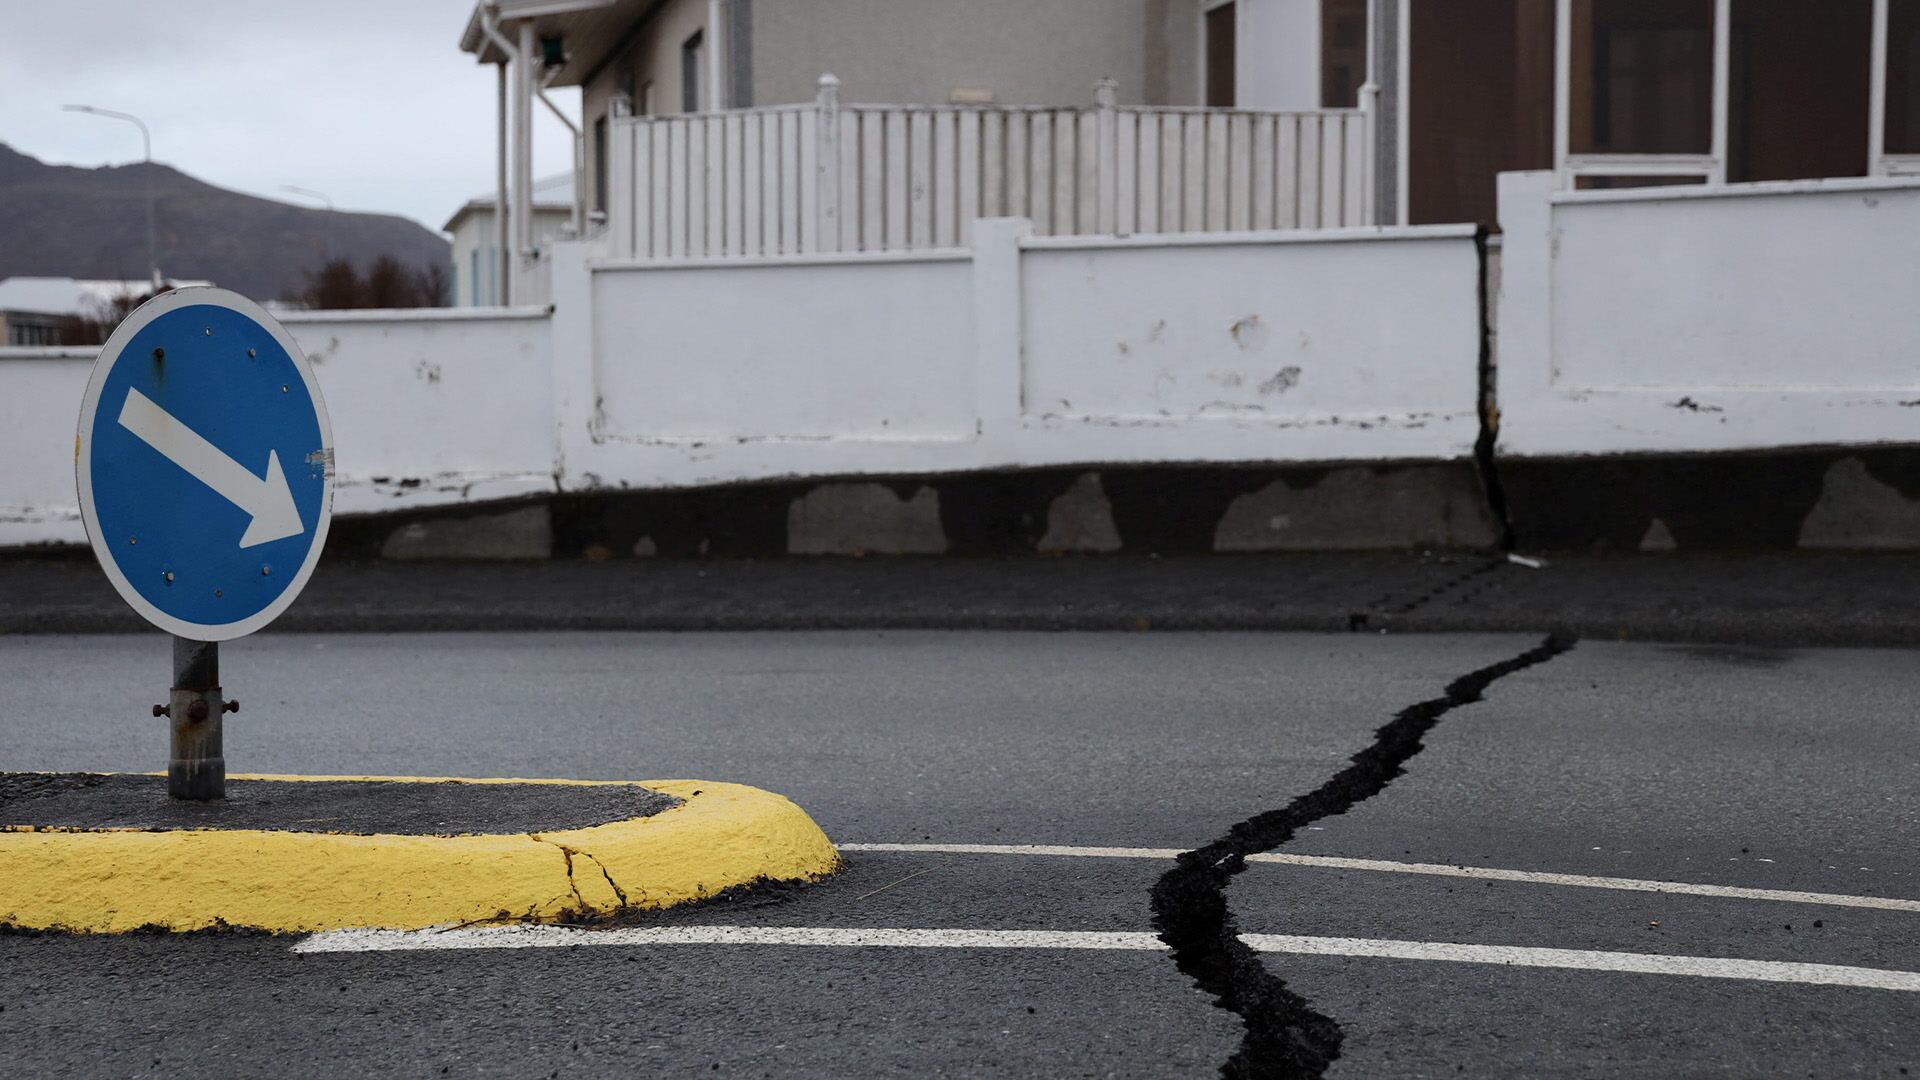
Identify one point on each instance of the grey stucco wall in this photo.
(653, 55)
(1024, 53)
(919, 52)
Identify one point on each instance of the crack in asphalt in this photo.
(1361, 621)
(1285, 1038)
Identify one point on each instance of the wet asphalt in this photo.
(1764, 768)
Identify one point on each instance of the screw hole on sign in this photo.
(159, 354)
(168, 575)
(251, 354)
(217, 594)
(266, 571)
(283, 389)
(133, 539)
(209, 331)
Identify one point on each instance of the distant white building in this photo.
(32, 308)
(476, 254)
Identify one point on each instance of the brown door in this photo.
(1220, 58)
(1480, 102)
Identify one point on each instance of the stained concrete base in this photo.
(1140, 510)
(1826, 500)
(522, 532)
(1855, 499)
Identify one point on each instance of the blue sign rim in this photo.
(110, 355)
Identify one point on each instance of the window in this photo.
(600, 164)
(26, 330)
(1652, 88)
(643, 101)
(1220, 27)
(1648, 85)
(1343, 52)
(474, 299)
(692, 61)
(1903, 77)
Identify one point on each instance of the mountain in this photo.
(67, 221)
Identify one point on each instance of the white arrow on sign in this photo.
(269, 502)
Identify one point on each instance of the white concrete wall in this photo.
(429, 408)
(40, 392)
(1268, 337)
(1343, 345)
(866, 350)
(1754, 316)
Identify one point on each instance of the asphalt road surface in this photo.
(1685, 860)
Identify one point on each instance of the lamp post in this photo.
(327, 255)
(146, 142)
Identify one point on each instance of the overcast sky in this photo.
(369, 101)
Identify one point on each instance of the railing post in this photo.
(623, 193)
(1107, 175)
(1877, 93)
(826, 223)
(997, 327)
(1722, 80)
(1370, 153)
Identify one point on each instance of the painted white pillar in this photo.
(1877, 94)
(523, 146)
(1106, 94)
(1722, 78)
(1370, 121)
(826, 223)
(1562, 92)
(716, 57)
(1403, 75)
(502, 238)
(622, 182)
(997, 325)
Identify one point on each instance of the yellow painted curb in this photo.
(109, 880)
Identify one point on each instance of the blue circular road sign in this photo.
(205, 464)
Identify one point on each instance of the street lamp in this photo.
(146, 141)
(322, 196)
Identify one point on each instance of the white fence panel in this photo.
(825, 177)
(1027, 351)
(1680, 319)
(1343, 341)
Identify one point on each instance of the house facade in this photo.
(1606, 93)
(474, 229)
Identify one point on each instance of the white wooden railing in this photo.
(822, 177)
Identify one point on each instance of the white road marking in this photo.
(1706, 967)
(1534, 877)
(540, 937)
(533, 937)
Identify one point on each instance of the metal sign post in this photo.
(204, 464)
(196, 766)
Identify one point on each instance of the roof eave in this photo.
(473, 39)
